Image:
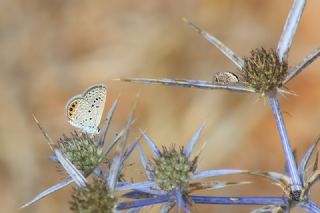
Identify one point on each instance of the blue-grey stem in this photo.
(145, 202)
(292, 167)
(312, 207)
(207, 200)
(240, 200)
(315, 209)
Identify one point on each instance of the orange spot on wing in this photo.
(73, 106)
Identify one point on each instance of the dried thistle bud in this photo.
(263, 71)
(82, 151)
(96, 197)
(172, 169)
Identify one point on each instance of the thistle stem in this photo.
(310, 206)
(292, 167)
(207, 200)
(144, 202)
(240, 200)
(313, 206)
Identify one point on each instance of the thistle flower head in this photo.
(172, 169)
(81, 150)
(172, 177)
(95, 197)
(263, 70)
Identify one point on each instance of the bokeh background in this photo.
(53, 50)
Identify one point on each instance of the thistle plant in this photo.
(308, 176)
(264, 72)
(172, 175)
(81, 155)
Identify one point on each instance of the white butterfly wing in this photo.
(96, 95)
(85, 111)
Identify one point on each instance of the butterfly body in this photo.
(85, 111)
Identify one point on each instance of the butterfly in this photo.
(85, 111)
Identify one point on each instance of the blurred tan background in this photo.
(53, 50)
